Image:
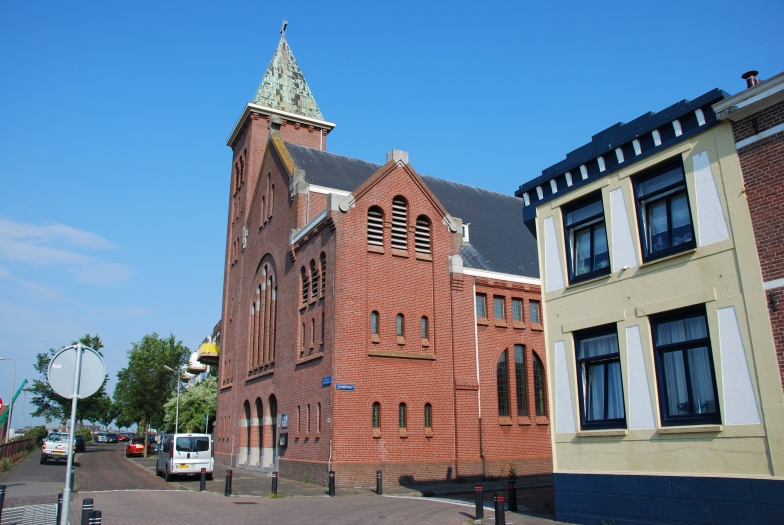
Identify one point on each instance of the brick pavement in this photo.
(31, 483)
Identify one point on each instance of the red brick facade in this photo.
(762, 163)
(282, 334)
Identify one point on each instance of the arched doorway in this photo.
(273, 430)
(242, 453)
(257, 443)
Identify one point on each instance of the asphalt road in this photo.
(104, 467)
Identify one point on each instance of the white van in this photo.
(185, 454)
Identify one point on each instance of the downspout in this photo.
(452, 345)
(332, 392)
(478, 385)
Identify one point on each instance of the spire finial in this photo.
(283, 28)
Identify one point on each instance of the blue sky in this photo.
(114, 173)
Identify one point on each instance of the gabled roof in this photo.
(499, 240)
(283, 86)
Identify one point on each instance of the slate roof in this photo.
(283, 86)
(500, 242)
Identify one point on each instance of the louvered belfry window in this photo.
(375, 226)
(399, 223)
(304, 274)
(422, 239)
(314, 279)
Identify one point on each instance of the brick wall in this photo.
(762, 163)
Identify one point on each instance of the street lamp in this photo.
(177, 413)
(10, 406)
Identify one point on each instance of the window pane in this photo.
(675, 384)
(601, 257)
(374, 323)
(539, 386)
(522, 386)
(701, 381)
(681, 330)
(587, 211)
(658, 182)
(517, 310)
(582, 251)
(376, 415)
(657, 225)
(615, 408)
(681, 221)
(533, 306)
(498, 307)
(594, 392)
(502, 375)
(400, 324)
(424, 328)
(480, 305)
(606, 344)
(402, 415)
(428, 415)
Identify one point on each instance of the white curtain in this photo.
(597, 346)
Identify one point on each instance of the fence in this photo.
(15, 449)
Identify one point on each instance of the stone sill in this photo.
(309, 358)
(519, 325)
(482, 321)
(667, 258)
(424, 257)
(372, 248)
(402, 355)
(591, 280)
(400, 253)
(500, 323)
(610, 432)
(690, 430)
(505, 421)
(539, 327)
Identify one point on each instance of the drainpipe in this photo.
(479, 384)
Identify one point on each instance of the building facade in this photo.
(666, 398)
(373, 318)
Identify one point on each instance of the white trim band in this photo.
(309, 226)
(776, 283)
(759, 136)
(502, 276)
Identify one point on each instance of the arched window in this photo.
(428, 415)
(399, 223)
(402, 415)
(318, 418)
(424, 327)
(304, 285)
(502, 376)
(303, 337)
(299, 418)
(376, 415)
(520, 381)
(307, 420)
(263, 327)
(374, 323)
(376, 226)
(539, 386)
(323, 273)
(314, 277)
(400, 325)
(313, 332)
(422, 237)
(271, 204)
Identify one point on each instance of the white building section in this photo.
(553, 272)
(622, 242)
(564, 407)
(711, 223)
(640, 406)
(740, 402)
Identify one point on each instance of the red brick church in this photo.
(373, 318)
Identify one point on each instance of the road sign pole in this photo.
(67, 491)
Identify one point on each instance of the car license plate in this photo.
(183, 466)
(60, 452)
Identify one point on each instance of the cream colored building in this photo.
(663, 382)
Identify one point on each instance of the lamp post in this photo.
(177, 413)
(11, 405)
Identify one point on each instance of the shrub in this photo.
(39, 433)
(86, 434)
(6, 464)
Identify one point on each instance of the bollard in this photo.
(274, 482)
(87, 507)
(203, 480)
(331, 486)
(95, 517)
(479, 503)
(379, 482)
(498, 501)
(2, 500)
(73, 470)
(227, 491)
(512, 503)
(59, 506)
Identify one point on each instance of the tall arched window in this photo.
(422, 237)
(314, 277)
(424, 327)
(264, 313)
(399, 223)
(539, 386)
(374, 323)
(299, 419)
(313, 332)
(520, 381)
(318, 418)
(502, 376)
(271, 203)
(428, 415)
(375, 226)
(303, 337)
(400, 325)
(323, 273)
(307, 419)
(376, 415)
(402, 415)
(304, 274)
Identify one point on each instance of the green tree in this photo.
(53, 407)
(195, 402)
(144, 385)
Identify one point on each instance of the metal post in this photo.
(95, 517)
(498, 502)
(203, 480)
(59, 507)
(11, 402)
(512, 504)
(227, 490)
(87, 507)
(2, 500)
(479, 503)
(73, 472)
(331, 486)
(177, 413)
(275, 482)
(379, 482)
(68, 487)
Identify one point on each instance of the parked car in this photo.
(135, 446)
(79, 443)
(111, 438)
(185, 454)
(101, 437)
(122, 437)
(55, 447)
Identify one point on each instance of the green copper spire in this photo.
(283, 86)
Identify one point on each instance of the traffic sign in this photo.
(62, 372)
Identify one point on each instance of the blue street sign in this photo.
(344, 387)
(326, 381)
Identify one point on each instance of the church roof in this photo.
(499, 240)
(283, 86)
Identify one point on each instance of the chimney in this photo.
(397, 156)
(751, 78)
